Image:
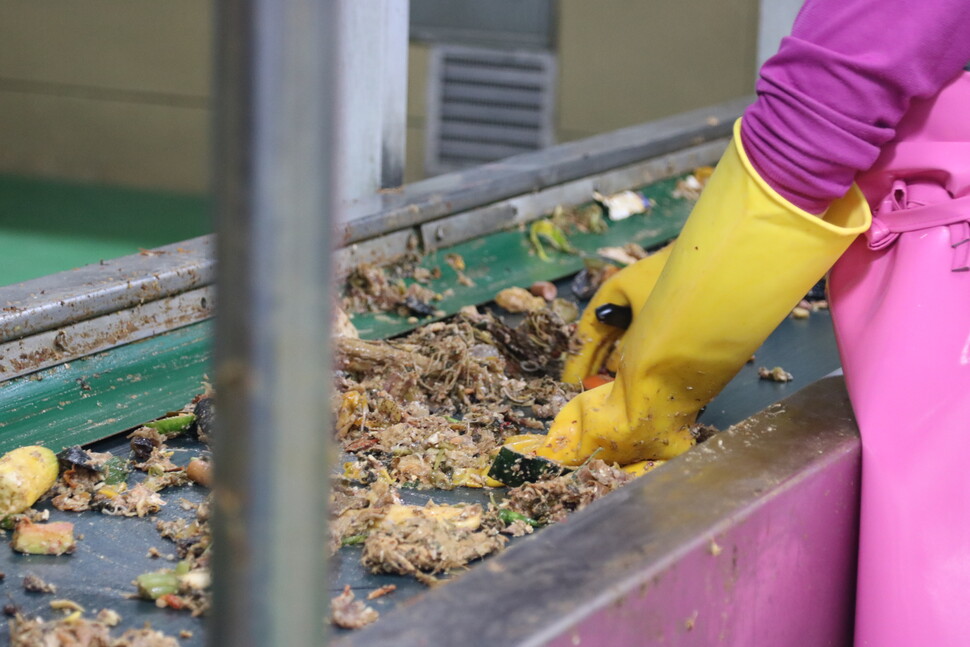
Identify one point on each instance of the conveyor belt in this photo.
(806, 348)
(103, 394)
(748, 539)
(112, 553)
(114, 550)
(505, 258)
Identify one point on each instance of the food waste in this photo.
(428, 411)
(78, 480)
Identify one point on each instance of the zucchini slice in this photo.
(516, 463)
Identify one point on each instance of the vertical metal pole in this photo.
(275, 201)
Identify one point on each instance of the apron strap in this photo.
(911, 207)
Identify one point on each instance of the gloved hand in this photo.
(630, 288)
(744, 259)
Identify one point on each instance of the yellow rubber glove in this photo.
(629, 287)
(744, 259)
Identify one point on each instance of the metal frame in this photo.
(71, 314)
(277, 195)
(749, 539)
(418, 203)
(522, 209)
(395, 92)
(511, 212)
(68, 297)
(701, 533)
(278, 189)
(370, 94)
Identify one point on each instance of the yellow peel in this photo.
(26, 473)
(461, 516)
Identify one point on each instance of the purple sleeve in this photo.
(838, 86)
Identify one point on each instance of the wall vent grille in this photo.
(485, 105)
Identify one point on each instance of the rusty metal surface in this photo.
(375, 251)
(748, 539)
(52, 347)
(65, 298)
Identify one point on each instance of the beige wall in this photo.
(417, 95)
(623, 62)
(106, 90)
(118, 91)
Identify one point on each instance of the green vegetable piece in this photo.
(152, 586)
(353, 540)
(115, 471)
(548, 230)
(510, 516)
(173, 424)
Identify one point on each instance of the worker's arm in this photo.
(832, 96)
(827, 103)
(766, 227)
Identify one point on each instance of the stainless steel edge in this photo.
(440, 211)
(51, 347)
(65, 298)
(374, 251)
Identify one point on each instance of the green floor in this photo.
(48, 226)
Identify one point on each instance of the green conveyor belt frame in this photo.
(97, 396)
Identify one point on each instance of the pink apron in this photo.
(900, 299)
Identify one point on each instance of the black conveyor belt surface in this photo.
(804, 347)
